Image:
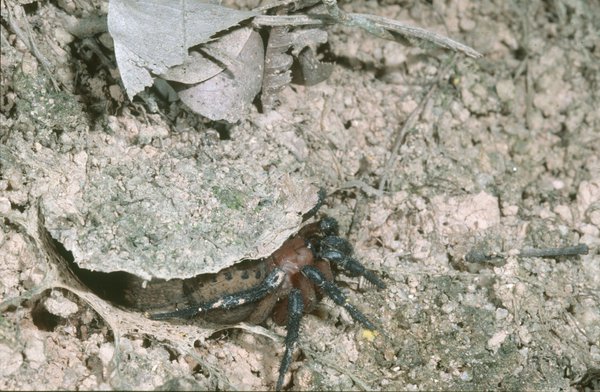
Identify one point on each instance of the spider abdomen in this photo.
(169, 295)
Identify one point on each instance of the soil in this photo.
(443, 171)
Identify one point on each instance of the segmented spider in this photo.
(295, 273)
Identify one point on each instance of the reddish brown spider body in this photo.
(294, 254)
(285, 285)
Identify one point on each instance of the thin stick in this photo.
(412, 32)
(581, 249)
(377, 25)
(408, 124)
(290, 20)
(30, 43)
(475, 256)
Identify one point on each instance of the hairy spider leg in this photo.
(329, 226)
(322, 194)
(270, 284)
(333, 292)
(338, 251)
(295, 311)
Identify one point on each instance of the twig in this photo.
(476, 256)
(282, 3)
(411, 32)
(359, 20)
(408, 124)
(581, 249)
(290, 20)
(377, 25)
(29, 42)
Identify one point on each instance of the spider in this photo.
(296, 273)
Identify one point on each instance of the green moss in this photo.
(232, 198)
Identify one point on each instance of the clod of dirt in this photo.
(170, 211)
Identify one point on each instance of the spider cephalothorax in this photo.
(295, 274)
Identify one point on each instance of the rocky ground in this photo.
(433, 163)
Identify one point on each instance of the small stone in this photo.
(505, 90)
(34, 352)
(501, 313)
(11, 360)
(60, 306)
(467, 24)
(4, 205)
(496, 341)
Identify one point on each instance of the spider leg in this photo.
(338, 250)
(322, 194)
(295, 311)
(335, 294)
(271, 282)
(329, 226)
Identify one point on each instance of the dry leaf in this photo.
(227, 95)
(198, 67)
(152, 36)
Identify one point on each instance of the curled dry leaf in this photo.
(278, 62)
(227, 95)
(210, 59)
(152, 36)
